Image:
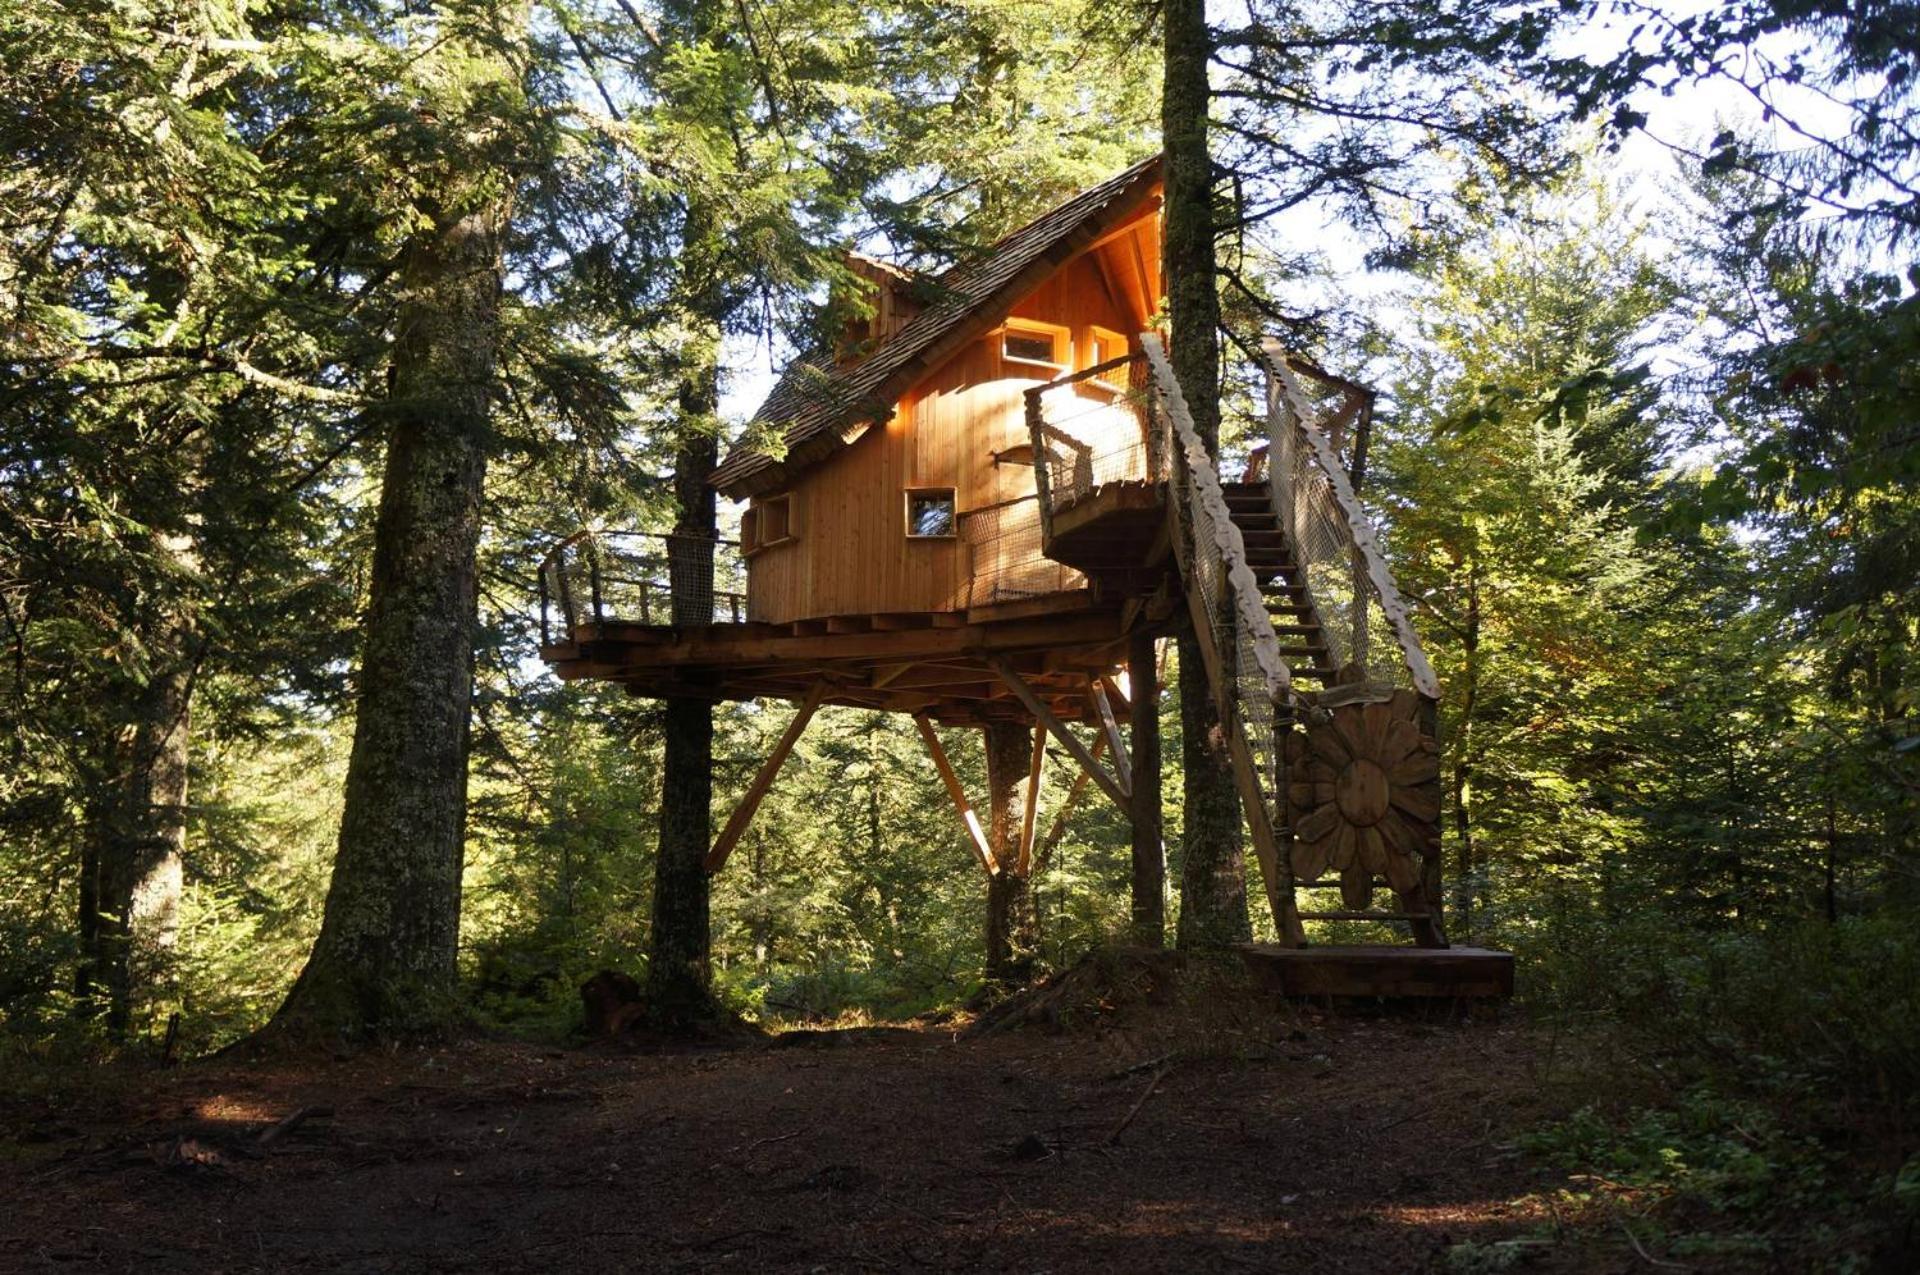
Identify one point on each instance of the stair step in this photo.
(1296, 630)
(1289, 608)
(1257, 539)
(1318, 653)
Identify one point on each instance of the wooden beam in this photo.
(1122, 764)
(1074, 793)
(1276, 875)
(757, 790)
(1035, 705)
(719, 647)
(981, 850)
(885, 674)
(1023, 861)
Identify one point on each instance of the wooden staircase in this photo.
(1296, 622)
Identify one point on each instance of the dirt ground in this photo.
(1287, 1140)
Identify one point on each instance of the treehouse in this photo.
(988, 505)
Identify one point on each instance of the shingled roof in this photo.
(822, 407)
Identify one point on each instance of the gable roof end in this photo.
(823, 407)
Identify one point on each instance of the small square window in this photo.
(767, 523)
(1029, 341)
(1032, 346)
(930, 513)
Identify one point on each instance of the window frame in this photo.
(953, 504)
(1059, 335)
(752, 518)
(1097, 338)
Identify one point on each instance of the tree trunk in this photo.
(1463, 759)
(1149, 855)
(680, 944)
(132, 869)
(1011, 922)
(384, 963)
(1213, 879)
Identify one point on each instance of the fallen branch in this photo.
(1647, 1257)
(1143, 1065)
(282, 1128)
(1138, 1103)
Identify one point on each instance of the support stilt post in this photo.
(1068, 740)
(1060, 816)
(1149, 856)
(1023, 859)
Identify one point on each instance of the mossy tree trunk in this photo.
(680, 942)
(132, 868)
(384, 963)
(1213, 878)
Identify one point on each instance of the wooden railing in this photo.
(1068, 468)
(634, 577)
(1332, 540)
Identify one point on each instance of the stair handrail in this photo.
(1284, 391)
(1209, 507)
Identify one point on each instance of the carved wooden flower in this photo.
(1365, 793)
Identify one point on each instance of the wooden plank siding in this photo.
(850, 554)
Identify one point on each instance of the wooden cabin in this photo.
(990, 503)
(905, 503)
(908, 483)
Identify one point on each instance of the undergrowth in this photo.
(1737, 1099)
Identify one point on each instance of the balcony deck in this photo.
(937, 663)
(1116, 533)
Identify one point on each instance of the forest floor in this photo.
(1216, 1137)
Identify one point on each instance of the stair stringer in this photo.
(1216, 544)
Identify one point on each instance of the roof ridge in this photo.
(822, 408)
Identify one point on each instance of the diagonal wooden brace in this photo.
(1046, 716)
(975, 833)
(757, 790)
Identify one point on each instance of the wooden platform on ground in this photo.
(1431, 972)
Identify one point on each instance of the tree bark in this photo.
(1149, 912)
(1463, 758)
(384, 963)
(133, 866)
(680, 944)
(1011, 921)
(1213, 878)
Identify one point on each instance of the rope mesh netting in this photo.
(1006, 564)
(1309, 421)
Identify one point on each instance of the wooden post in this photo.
(1431, 932)
(757, 790)
(1149, 859)
(1060, 816)
(1038, 707)
(1103, 707)
(981, 850)
(1023, 859)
